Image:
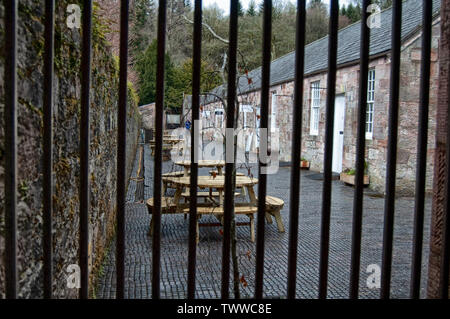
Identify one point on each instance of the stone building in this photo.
(345, 122)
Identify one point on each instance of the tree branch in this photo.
(210, 30)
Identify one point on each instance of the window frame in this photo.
(370, 104)
(273, 111)
(315, 108)
(216, 115)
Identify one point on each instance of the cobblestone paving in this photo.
(174, 247)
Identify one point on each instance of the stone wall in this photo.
(103, 144)
(442, 126)
(347, 80)
(347, 83)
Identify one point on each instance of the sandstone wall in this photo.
(376, 148)
(347, 83)
(104, 96)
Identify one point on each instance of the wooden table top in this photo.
(169, 140)
(217, 182)
(203, 163)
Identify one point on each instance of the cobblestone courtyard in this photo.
(174, 244)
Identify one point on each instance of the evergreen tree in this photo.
(144, 12)
(146, 69)
(353, 12)
(261, 8)
(251, 11)
(317, 4)
(240, 9)
(384, 4)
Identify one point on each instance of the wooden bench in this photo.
(218, 212)
(166, 179)
(173, 174)
(166, 208)
(243, 192)
(205, 194)
(273, 207)
(217, 173)
(166, 148)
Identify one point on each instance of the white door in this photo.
(338, 137)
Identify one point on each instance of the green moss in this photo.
(38, 45)
(31, 107)
(132, 93)
(23, 190)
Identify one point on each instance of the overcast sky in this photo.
(225, 4)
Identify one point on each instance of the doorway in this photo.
(338, 136)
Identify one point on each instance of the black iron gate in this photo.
(11, 14)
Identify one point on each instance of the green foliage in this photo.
(353, 10)
(318, 4)
(132, 93)
(146, 67)
(178, 79)
(240, 9)
(352, 171)
(182, 83)
(214, 49)
(143, 25)
(251, 11)
(353, 13)
(384, 4)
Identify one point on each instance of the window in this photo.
(370, 104)
(245, 109)
(315, 108)
(219, 118)
(273, 117)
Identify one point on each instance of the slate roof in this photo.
(316, 53)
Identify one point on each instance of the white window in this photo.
(315, 108)
(218, 118)
(273, 118)
(370, 104)
(245, 109)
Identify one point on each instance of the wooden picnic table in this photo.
(179, 202)
(168, 143)
(169, 140)
(219, 164)
(215, 207)
(218, 183)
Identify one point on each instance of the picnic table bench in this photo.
(175, 205)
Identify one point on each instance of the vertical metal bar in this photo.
(194, 165)
(121, 151)
(262, 187)
(296, 148)
(389, 208)
(48, 144)
(229, 167)
(84, 147)
(328, 157)
(445, 252)
(360, 154)
(161, 46)
(11, 148)
(427, 12)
